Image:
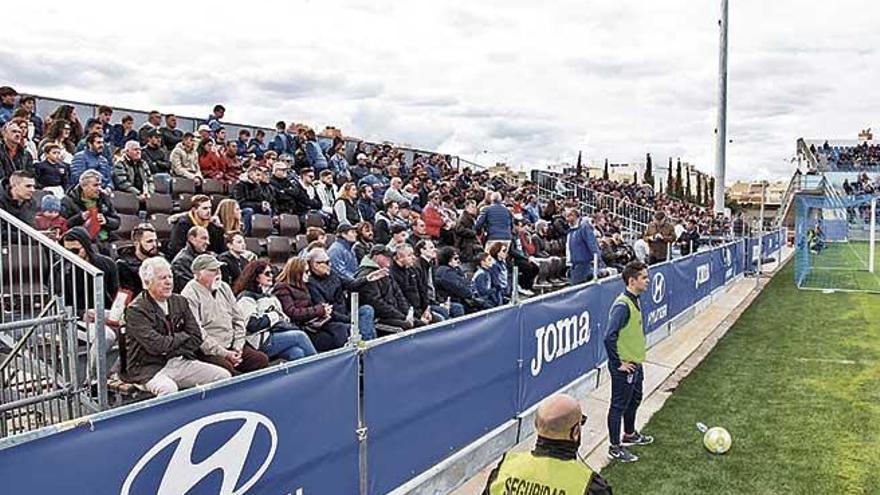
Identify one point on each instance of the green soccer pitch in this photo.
(796, 381)
(842, 266)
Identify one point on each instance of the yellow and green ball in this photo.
(717, 440)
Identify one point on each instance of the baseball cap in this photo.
(381, 249)
(343, 228)
(206, 262)
(361, 156)
(204, 127)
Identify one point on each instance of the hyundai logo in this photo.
(658, 287)
(182, 474)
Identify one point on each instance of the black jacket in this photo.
(383, 295)
(408, 280)
(181, 227)
(181, 267)
(332, 289)
(51, 175)
(79, 289)
(72, 208)
(154, 337)
(233, 267)
(361, 249)
(8, 164)
(23, 210)
(128, 264)
(466, 237)
(284, 194)
(157, 160)
(170, 137)
(251, 195)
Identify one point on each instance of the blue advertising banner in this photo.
(657, 303)
(278, 432)
(429, 393)
(562, 337)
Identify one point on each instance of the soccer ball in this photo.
(717, 440)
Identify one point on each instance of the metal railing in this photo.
(53, 366)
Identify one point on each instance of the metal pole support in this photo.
(354, 336)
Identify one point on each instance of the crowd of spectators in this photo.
(845, 158)
(419, 240)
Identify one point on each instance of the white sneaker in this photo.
(526, 292)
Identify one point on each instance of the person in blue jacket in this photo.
(496, 220)
(482, 282)
(581, 247)
(91, 158)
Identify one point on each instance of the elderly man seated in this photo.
(223, 328)
(164, 336)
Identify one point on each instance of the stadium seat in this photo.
(300, 242)
(278, 249)
(162, 183)
(212, 186)
(217, 198)
(314, 220)
(161, 224)
(126, 203)
(184, 202)
(261, 226)
(289, 225)
(160, 203)
(127, 223)
(181, 185)
(24, 269)
(253, 245)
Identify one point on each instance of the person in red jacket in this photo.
(211, 164)
(433, 216)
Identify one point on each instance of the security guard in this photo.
(553, 468)
(625, 346)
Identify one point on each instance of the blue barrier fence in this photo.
(424, 396)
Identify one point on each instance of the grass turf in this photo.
(842, 265)
(796, 381)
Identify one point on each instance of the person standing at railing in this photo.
(553, 466)
(581, 248)
(659, 235)
(625, 346)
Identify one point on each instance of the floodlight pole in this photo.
(872, 235)
(721, 128)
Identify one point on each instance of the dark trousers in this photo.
(580, 273)
(528, 271)
(626, 395)
(251, 360)
(332, 335)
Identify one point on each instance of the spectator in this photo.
(314, 154)
(59, 133)
(243, 143)
(483, 282)
(164, 336)
(223, 329)
(364, 242)
(7, 103)
(385, 221)
(154, 120)
(581, 248)
(29, 104)
(211, 164)
(13, 156)
(268, 328)
(389, 304)
(228, 214)
(185, 160)
(105, 113)
(234, 259)
(282, 187)
(68, 113)
(366, 205)
(407, 278)
(254, 195)
(426, 257)
(396, 193)
(199, 215)
(659, 235)
(145, 245)
(213, 121)
(16, 196)
(297, 303)
(87, 205)
(326, 286)
(433, 216)
(528, 269)
(339, 165)
(51, 173)
(257, 145)
(79, 289)
(496, 220)
(346, 210)
(304, 197)
(196, 244)
(49, 220)
(131, 174)
(689, 240)
(325, 190)
(283, 142)
(342, 258)
(156, 156)
(92, 158)
(171, 135)
(378, 181)
(452, 284)
(465, 233)
(499, 271)
(123, 133)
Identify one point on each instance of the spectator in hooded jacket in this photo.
(496, 220)
(390, 306)
(91, 158)
(131, 174)
(49, 219)
(452, 284)
(87, 205)
(342, 258)
(185, 160)
(79, 289)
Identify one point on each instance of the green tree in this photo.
(649, 171)
(670, 180)
(635, 176)
(710, 191)
(605, 172)
(687, 184)
(580, 166)
(679, 190)
(699, 197)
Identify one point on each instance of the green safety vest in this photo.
(631, 340)
(523, 473)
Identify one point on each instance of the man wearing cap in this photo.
(155, 155)
(390, 306)
(223, 329)
(361, 168)
(553, 466)
(185, 159)
(164, 337)
(131, 174)
(204, 132)
(7, 103)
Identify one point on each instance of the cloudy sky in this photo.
(524, 82)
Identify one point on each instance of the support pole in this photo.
(721, 128)
(354, 337)
(872, 235)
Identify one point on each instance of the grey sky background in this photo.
(530, 82)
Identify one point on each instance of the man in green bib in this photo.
(625, 345)
(553, 467)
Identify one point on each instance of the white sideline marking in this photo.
(833, 361)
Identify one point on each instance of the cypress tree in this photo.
(687, 182)
(710, 191)
(678, 185)
(699, 198)
(605, 172)
(649, 171)
(670, 180)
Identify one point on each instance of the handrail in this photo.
(49, 243)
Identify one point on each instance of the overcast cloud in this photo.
(527, 82)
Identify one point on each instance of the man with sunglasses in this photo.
(553, 466)
(145, 245)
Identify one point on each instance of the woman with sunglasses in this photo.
(292, 292)
(269, 329)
